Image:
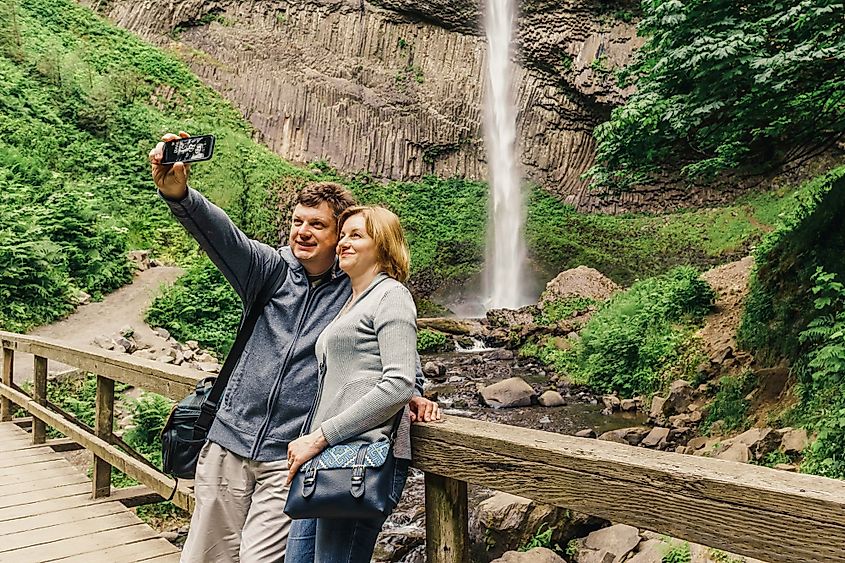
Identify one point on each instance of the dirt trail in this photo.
(124, 307)
(730, 282)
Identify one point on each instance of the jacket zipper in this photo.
(274, 391)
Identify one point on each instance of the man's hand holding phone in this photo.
(170, 161)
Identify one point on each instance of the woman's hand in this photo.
(304, 448)
(423, 410)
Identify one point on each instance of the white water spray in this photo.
(506, 265)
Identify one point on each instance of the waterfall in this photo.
(505, 269)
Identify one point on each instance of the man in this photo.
(241, 473)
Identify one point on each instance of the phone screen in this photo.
(192, 149)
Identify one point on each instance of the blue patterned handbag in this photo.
(346, 481)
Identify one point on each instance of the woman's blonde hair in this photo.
(391, 245)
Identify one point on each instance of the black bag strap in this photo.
(251, 314)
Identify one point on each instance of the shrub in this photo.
(200, 306)
(430, 341)
(639, 334)
(730, 405)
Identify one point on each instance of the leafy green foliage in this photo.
(630, 247)
(678, 554)
(565, 308)
(200, 306)
(430, 341)
(730, 405)
(541, 538)
(725, 84)
(629, 344)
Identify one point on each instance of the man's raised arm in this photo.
(244, 262)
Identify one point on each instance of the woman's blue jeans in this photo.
(333, 540)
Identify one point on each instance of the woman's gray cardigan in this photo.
(367, 359)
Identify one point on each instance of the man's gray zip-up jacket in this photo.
(273, 386)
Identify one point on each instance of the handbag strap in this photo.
(208, 409)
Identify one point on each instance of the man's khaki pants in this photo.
(239, 510)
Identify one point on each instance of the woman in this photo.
(368, 356)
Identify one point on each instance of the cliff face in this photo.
(395, 87)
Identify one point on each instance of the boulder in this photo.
(140, 259)
(504, 522)
(162, 332)
(192, 344)
(551, 399)
(499, 354)
(434, 369)
(512, 392)
(657, 405)
(579, 282)
(649, 551)
(793, 440)
(611, 402)
(209, 367)
(586, 433)
(165, 359)
(586, 555)
(656, 438)
(631, 436)
(680, 397)
(618, 540)
(760, 441)
(736, 451)
(126, 344)
(536, 555)
(628, 405)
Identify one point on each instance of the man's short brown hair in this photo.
(337, 196)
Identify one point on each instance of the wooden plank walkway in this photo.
(47, 514)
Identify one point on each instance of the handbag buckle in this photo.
(356, 487)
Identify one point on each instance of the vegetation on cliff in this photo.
(796, 312)
(727, 84)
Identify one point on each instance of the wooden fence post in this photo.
(8, 367)
(446, 526)
(103, 429)
(39, 429)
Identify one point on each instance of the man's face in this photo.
(313, 237)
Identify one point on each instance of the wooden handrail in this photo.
(755, 511)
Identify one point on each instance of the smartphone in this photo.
(192, 149)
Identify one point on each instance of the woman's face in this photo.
(356, 249)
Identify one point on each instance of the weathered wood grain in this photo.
(171, 381)
(146, 550)
(446, 524)
(39, 393)
(6, 377)
(104, 405)
(767, 514)
(122, 461)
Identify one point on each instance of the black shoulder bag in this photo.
(185, 431)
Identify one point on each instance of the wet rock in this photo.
(618, 540)
(631, 436)
(512, 392)
(628, 405)
(586, 433)
(793, 440)
(551, 399)
(434, 370)
(611, 402)
(656, 438)
(500, 354)
(536, 555)
(450, 325)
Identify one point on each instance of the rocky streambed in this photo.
(461, 382)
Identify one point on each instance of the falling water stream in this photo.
(505, 271)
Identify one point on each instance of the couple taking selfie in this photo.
(315, 418)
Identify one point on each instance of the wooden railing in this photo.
(771, 515)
